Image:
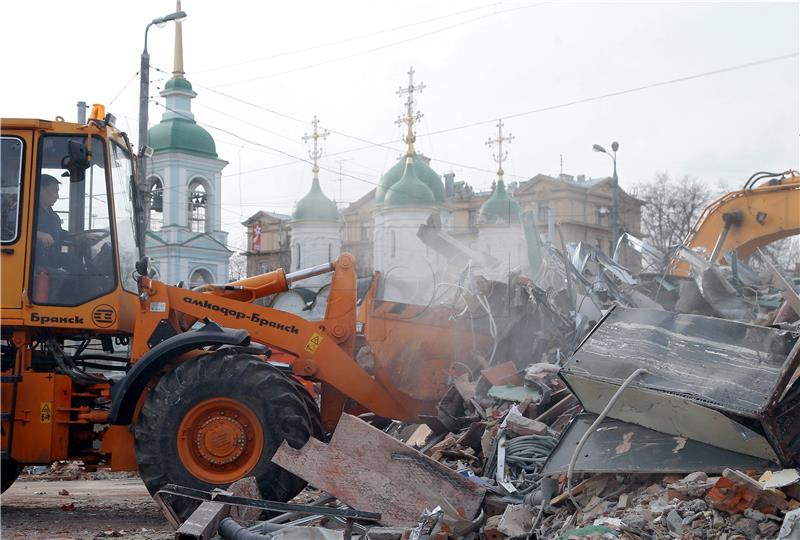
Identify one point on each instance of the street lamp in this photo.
(614, 191)
(144, 91)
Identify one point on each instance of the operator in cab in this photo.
(49, 232)
(50, 235)
(56, 266)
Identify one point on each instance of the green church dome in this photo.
(315, 206)
(181, 135)
(500, 207)
(421, 170)
(409, 191)
(178, 83)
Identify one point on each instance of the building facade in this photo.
(267, 242)
(576, 206)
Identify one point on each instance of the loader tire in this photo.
(9, 471)
(221, 417)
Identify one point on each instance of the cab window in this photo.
(73, 256)
(10, 180)
(125, 218)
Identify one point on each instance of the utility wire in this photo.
(387, 144)
(573, 102)
(374, 49)
(626, 91)
(273, 149)
(369, 144)
(345, 40)
(124, 87)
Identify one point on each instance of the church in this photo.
(185, 240)
(380, 228)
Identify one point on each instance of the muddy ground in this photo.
(46, 507)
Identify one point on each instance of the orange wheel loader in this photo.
(102, 363)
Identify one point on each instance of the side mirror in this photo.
(143, 266)
(76, 161)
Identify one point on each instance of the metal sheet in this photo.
(620, 447)
(366, 468)
(674, 415)
(729, 365)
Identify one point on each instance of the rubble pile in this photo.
(522, 502)
(608, 403)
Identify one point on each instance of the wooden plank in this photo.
(369, 470)
(549, 416)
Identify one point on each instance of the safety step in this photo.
(10, 378)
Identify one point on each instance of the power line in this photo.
(245, 102)
(370, 144)
(626, 91)
(374, 49)
(345, 40)
(276, 150)
(124, 87)
(297, 158)
(575, 102)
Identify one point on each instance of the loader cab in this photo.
(68, 199)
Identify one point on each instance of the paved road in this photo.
(102, 509)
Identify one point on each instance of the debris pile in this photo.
(733, 505)
(596, 402)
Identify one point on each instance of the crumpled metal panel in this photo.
(732, 365)
(720, 382)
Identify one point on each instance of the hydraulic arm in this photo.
(748, 218)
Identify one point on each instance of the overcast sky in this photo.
(344, 61)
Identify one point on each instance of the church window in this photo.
(198, 207)
(156, 218)
(298, 255)
(201, 276)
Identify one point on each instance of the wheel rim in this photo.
(220, 440)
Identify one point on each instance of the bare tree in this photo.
(671, 208)
(784, 253)
(237, 266)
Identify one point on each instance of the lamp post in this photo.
(144, 91)
(614, 192)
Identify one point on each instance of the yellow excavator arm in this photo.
(746, 219)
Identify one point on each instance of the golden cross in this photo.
(316, 152)
(500, 156)
(411, 117)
